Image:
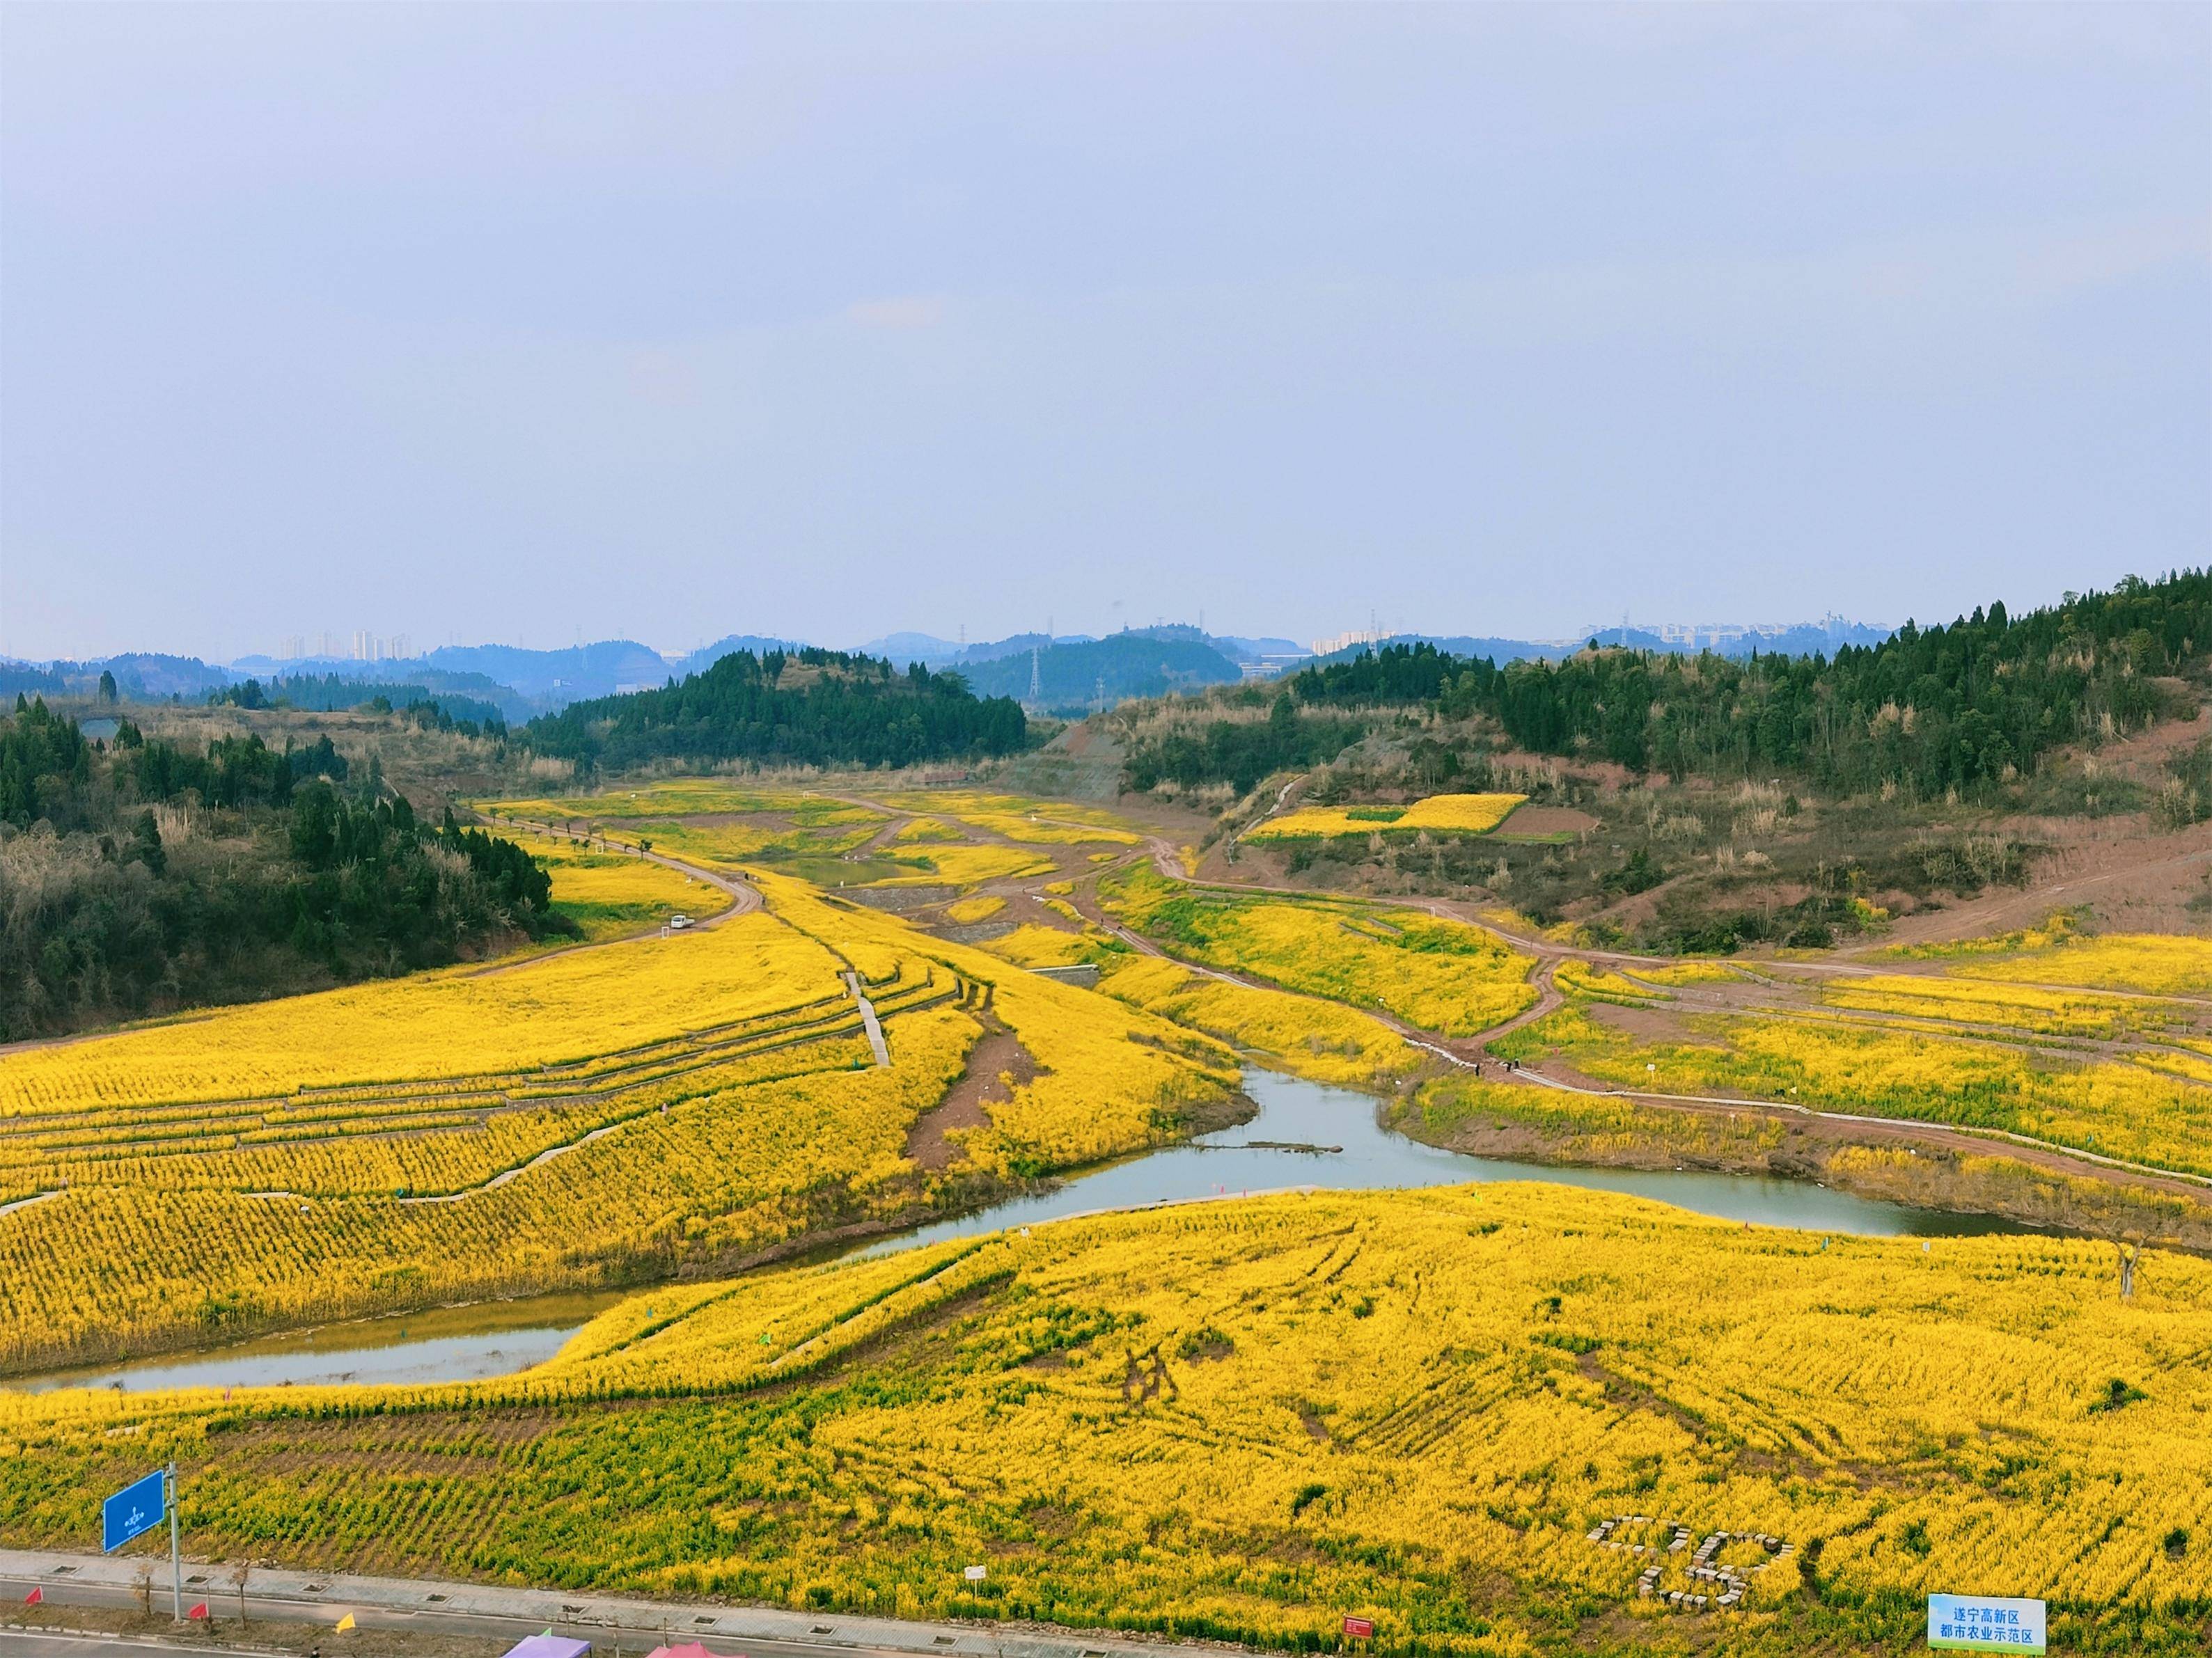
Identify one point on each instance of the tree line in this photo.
(1979, 701)
(139, 875)
(810, 708)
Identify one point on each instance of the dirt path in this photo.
(1847, 1125)
(743, 900)
(997, 1056)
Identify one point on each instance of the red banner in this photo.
(1359, 1628)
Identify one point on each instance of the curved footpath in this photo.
(744, 898)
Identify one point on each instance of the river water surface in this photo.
(496, 1338)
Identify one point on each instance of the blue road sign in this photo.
(133, 1509)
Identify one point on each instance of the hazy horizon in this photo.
(668, 323)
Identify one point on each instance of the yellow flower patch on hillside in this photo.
(2156, 1111)
(455, 1022)
(1033, 945)
(1441, 975)
(968, 911)
(2171, 964)
(610, 894)
(1303, 1034)
(1442, 814)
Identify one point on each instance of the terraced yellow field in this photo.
(1457, 1412)
(653, 1106)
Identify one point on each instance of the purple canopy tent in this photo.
(551, 1646)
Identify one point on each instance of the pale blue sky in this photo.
(503, 322)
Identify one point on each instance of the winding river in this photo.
(1305, 1134)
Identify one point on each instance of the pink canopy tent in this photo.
(689, 1649)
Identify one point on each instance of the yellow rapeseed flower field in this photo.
(2020, 1007)
(1440, 975)
(1443, 814)
(2171, 964)
(1018, 817)
(965, 864)
(648, 1106)
(457, 1022)
(685, 796)
(1303, 1035)
(1477, 1416)
(610, 894)
(2156, 1111)
(968, 911)
(1032, 945)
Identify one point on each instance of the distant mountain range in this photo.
(1072, 673)
(937, 652)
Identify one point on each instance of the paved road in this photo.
(283, 1596)
(21, 1642)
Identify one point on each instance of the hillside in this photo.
(1073, 677)
(810, 708)
(1680, 803)
(143, 875)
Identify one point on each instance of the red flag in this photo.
(199, 1611)
(38, 1593)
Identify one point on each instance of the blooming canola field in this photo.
(654, 1108)
(1474, 1415)
(1439, 814)
(1482, 1417)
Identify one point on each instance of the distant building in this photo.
(1345, 641)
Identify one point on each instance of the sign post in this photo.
(1983, 1623)
(138, 1509)
(176, 1553)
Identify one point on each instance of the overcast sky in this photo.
(519, 322)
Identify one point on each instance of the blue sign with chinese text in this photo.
(133, 1509)
(1982, 1622)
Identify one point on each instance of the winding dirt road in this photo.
(744, 898)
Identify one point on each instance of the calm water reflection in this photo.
(1365, 1155)
(462, 1343)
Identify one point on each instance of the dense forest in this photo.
(443, 709)
(1975, 703)
(808, 708)
(139, 875)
